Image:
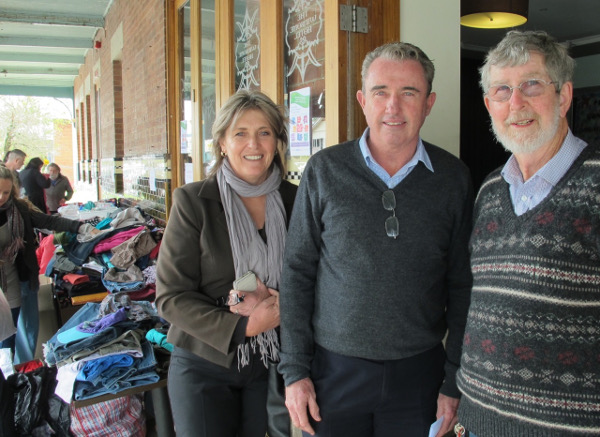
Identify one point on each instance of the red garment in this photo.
(148, 293)
(45, 252)
(74, 278)
(154, 252)
(110, 242)
(29, 366)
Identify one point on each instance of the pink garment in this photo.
(110, 242)
(45, 252)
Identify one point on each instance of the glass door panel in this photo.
(304, 85)
(247, 44)
(186, 127)
(208, 82)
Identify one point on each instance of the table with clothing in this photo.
(114, 348)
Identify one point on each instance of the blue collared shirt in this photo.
(392, 181)
(526, 195)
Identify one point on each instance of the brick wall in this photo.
(129, 74)
(63, 147)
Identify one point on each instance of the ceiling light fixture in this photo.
(493, 14)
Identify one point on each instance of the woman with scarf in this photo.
(18, 262)
(226, 342)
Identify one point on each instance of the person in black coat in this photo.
(34, 183)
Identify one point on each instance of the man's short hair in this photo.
(399, 51)
(53, 165)
(14, 153)
(515, 49)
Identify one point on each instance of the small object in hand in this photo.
(234, 299)
(247, 282)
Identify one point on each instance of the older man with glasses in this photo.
(376, 268)
(531, 349)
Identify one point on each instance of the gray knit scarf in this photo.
(249, 250)
(16, 228)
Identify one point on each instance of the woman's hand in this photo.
(250, 299)
(265, 316)
(260, 306)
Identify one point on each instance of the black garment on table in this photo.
(7, 409)
(36, 404)
(90, 287)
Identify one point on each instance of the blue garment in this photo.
(9, 343)
(28, 324)
(89, 311)
(93, 326)
(115, 287)
(57, 351)
(526, 195)
(104, 224)
(79, 252)
(105, 258)
(50, 266)
(61, 351)
(112, 380)
(375, 167)
(160, 339)
(88, 206)
(85, 390)
(100, 369)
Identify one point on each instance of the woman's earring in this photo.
(223, 154)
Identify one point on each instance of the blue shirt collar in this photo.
(420, 153)
(553, 170)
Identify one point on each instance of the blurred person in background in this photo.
(14, 160)
(34, 183)
(19, 267)
(60, 191)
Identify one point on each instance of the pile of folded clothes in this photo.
(102, 349)
(118, 256)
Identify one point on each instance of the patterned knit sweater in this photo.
(531, 352)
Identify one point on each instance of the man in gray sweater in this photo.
(376, 268)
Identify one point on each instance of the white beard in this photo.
(522, 144)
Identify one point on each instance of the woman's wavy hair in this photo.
(7, 173)
(239, 103)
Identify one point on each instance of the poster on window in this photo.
(300, 128)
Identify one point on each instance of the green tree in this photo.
(25, 125)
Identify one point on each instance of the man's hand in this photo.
(299, 397)
(447, 407)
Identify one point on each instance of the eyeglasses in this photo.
(529, 88)
(392, 226)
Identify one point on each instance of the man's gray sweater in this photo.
(353, 290)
